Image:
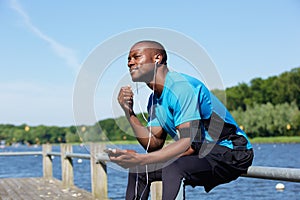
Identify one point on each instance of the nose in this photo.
(130, 62)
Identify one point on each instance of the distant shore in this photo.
(277, 139)
(257, 140)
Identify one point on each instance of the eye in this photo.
(136, 56)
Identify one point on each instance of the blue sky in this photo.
(44, 43)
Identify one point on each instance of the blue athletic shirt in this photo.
(184, 99)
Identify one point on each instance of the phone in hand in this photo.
(110, 151)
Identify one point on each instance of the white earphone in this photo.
(156, 62)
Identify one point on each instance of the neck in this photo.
(157, 84)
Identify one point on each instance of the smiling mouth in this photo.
(133, 69)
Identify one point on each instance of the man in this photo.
(209, 148)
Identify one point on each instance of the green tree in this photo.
(238, 96)
(266, 120)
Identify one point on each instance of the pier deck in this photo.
(39, 188)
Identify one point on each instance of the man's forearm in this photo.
(141, 132)
(170, 152)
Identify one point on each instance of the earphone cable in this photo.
(149, 136)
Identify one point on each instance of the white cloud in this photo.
(59, 49)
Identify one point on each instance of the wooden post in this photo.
(156, 190)
(98, 172)
(47, 161)
(66, 166)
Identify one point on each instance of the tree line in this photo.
(264, 107)
(104, 130)
(284, 88)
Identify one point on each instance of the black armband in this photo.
(185, 132)
(193, 132)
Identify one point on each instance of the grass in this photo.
(122, 142)
(278, 139)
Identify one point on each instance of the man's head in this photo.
(142, 58)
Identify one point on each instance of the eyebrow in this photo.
(133, 54)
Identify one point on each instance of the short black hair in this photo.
(158, 47)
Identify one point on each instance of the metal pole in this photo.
(274, 173)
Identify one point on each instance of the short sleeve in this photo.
(184, 102)
(153, 122)
(152, 119)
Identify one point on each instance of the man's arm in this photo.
(156, 134)
(182, 147)
(168, 153)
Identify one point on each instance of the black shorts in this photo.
(227, 164)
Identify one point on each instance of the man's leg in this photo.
(139, 183)
(191, 168)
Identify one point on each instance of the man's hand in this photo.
(125, 158)
(125, 99)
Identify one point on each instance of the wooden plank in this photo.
(98, 172)
(3, 192)
(47, 161)
(39, 188)
(66, 165)
(156, 190)
(9, 189)
(24, 187)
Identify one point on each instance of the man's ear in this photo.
(157, 58)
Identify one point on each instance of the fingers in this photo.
(125, 97)
(114, 152)
(119, 154)
(126, 92)
(124, 158)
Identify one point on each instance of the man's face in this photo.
(140, 63)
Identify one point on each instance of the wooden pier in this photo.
(39, 188)
(47, 187)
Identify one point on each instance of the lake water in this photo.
(273, 155)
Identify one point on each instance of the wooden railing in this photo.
(99, 169)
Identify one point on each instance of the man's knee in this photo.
(173, 169)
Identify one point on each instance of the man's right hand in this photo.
(125, 99)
